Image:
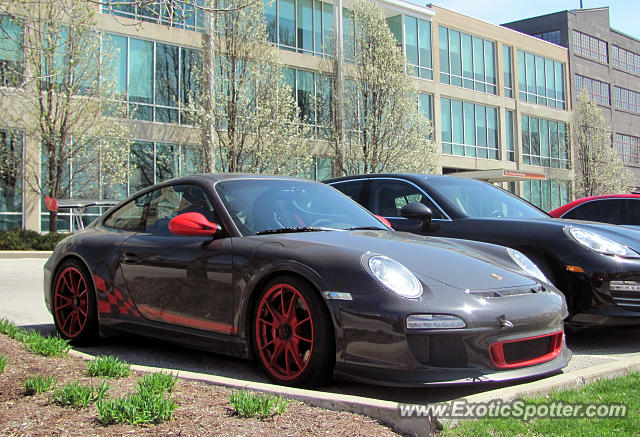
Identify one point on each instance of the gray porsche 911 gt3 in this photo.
(307, 282)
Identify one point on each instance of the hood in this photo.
(626, 235)
(456, 263)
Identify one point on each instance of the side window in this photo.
(129, 217)
(389, 196)
(606, 211)
(353, 189)
(633, 209)
(168, 202)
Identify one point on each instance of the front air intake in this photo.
(526, 351)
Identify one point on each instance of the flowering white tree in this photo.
(597, 167)
(384, 127)
(63, 94)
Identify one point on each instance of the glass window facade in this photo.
(545, 142)
(469, 129)
(551, 36)
(625, 60)
(625, 99)
(541, 80)
(598, 91)
(628, 148)
(180, 14)
(11, 171)
(510, 143)
(547, 195)
(590, 47)
(156, 79)
(507, 66)
(312, 92)
(305, 26)
(11, 52)
(418, 47)
(467, 61)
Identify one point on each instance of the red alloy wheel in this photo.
(71, 302)
(284, 332)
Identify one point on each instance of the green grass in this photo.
(34, 341)
(45, 346)
(34, 385)
(157, 383)
(612, 391)
(149, 405)
(77, 395)
(108, 367)
(3, 363)
(250, 404)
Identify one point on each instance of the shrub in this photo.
(108, 367)
(77, 395)
(250, 404)
(22, 239)
(37, 384)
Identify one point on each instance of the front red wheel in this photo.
(292, 339)
(73, 302)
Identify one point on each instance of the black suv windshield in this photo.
(259, 206)
(481, 200)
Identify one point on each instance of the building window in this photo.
(544, 142)
(541, 80)
(425, 104)
(625, 60)
(590, 47)
(312, 93)
(148, 163)
(628, 148)
(507, 67)
(418, 46)
(305, 26)
(11, 170)
(598, 91)
(625, 99)
(552, 36)
(546, 195)
(467, 61)
(157, 80)
(469, 129)
(180, 14)
(511, 148)
(11, 52)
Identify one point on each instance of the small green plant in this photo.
(38, 384)
(108, 367)
(9, 329)
(157, 383)
(250, 404)
(77, 395)
(140, 408)
(45, 346)
(3, 363)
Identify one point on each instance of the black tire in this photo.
(281, 336)
(73, 301)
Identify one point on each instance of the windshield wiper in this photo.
(292, 230)
(367, 228)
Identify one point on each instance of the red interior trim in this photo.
(497, 352)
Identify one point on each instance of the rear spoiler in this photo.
(77, 207)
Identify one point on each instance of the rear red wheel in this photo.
(74, 302)
(292, 338)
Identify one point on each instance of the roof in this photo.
(558, 212)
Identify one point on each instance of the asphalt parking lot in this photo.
(21, 300)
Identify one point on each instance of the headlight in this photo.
(601, 244)
(395, 276)
(527, 265)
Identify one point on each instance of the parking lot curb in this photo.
(565, 381)
(25, 253)
(385, 411)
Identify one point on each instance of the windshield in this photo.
(480, 200)
(260, 205)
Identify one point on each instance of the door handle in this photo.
(129, 258)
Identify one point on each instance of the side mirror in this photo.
(191, 224)
(418, 211)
